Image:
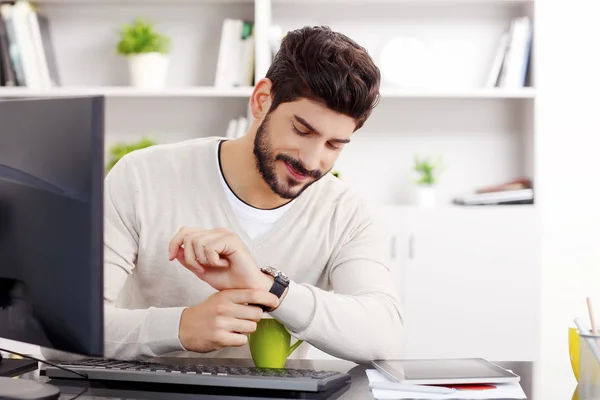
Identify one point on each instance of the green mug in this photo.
(270, 345)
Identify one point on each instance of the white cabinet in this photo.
(469, 281)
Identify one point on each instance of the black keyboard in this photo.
(306, 380)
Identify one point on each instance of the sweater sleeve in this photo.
(361, 319)
(130, 334)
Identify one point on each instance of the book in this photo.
(13, 47)
(510, 65)
(520, 196)
(516, 62)
(7, 73)
(496, 68)
(235, 61)
(26, 51)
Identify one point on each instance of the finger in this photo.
(190, 254)
(181, 258)
(233, 339)
(220, 247)
(224, 244)
(241, 325)
(251, 313)
(199, 243)
(213, 258)
(177, 242)
(252, 296)
(200, 254)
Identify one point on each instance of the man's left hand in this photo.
(219, 258)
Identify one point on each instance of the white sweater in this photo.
(341, 298)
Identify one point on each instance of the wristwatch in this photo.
(280, 282)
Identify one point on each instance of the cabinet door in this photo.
(471, 283)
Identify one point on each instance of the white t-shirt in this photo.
(255, 221)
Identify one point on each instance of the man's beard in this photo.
(266, 162)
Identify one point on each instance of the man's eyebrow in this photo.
(306, 124)
(313, 130)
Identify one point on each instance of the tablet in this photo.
(444, 371)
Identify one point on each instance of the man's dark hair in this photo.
(328, 67)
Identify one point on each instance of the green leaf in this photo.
(428, 171)
(118, 150)
(141, 37)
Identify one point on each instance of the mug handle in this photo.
(294, 347)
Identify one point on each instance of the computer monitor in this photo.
(51, 222)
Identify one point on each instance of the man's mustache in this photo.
(298, 167)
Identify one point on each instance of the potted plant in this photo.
(147, 52)
(428, 173)
(118, 150)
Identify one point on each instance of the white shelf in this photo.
(126, 91)
(485, 93)
(246, 92)
(144, 2)
(397, 2)
(294, 2)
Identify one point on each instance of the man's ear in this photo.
(260, 101)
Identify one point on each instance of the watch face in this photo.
(276, 273)
(284, 277)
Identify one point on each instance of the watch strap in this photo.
(278, 287)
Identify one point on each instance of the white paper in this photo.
(502, 391)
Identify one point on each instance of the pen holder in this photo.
(589, 367)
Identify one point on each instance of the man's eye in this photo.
(298, 131)
(332, 147)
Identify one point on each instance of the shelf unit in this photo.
(486, 135)
(316, 2)
(126, 91)
(246, 92)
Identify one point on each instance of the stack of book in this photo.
(518, 191)
(237, 128)
(510, 66)
(235, 62)
(26, 52)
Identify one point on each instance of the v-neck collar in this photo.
(262, 239)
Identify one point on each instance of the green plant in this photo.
(141, 37)
(429, 171)
(118, 150)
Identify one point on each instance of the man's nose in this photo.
(311, 159)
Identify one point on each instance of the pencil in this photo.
(591, 312)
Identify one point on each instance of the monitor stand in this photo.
(25, 389)
(17, 389)
(13, 367)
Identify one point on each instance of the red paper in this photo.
(471, 387)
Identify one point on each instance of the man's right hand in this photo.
(223, 319)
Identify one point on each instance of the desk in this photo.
(357, 390)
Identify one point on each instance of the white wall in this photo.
(568, 124)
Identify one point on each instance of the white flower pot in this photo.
(425, 196)
(148, 70)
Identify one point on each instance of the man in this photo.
(188, 226)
